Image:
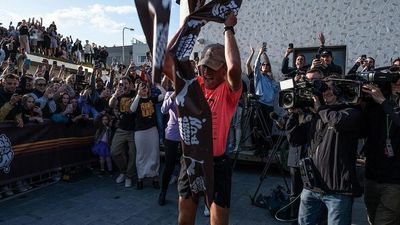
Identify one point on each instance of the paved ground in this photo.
(93, 200)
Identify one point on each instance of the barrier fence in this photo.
(40, 148)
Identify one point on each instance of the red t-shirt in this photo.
(223, 102)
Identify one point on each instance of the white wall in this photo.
(365, 26)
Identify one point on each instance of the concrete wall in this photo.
(364, 26)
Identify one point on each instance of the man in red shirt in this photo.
(221, 84)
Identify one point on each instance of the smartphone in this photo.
(317, 56)
(290, 45)
(363, 56)
(195, 55)
(264, 45)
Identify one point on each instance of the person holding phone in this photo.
(324, 61)
(366, 64)
(300, 66)
(266, 89)
(9, 98)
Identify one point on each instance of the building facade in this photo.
(351, 28)
(136, 52)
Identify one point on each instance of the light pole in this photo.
(123, 42)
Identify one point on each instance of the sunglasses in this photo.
(265, 64)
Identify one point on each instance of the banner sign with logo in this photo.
(39, 148)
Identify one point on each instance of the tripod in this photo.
(263, 175)
(254, 110)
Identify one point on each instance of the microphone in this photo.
(275, 117)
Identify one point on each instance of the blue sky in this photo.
(98, 21)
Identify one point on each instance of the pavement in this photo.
(94, 200)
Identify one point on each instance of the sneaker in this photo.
(120, 178)
(206, 211)
(128, 182)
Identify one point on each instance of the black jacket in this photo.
(335, 155)
(290, 72)
(331, 69)
(296, 134)
(379, 166)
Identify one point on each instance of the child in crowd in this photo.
(30, 112)
(102, 144)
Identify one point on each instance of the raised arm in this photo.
(232, 54)
(249, 67)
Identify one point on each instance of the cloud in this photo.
(96, 16)
(120, 9)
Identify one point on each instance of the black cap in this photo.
(326, 52)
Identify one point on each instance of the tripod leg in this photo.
(267, 165)
(264, 126)
(262, 178)
(277, 158)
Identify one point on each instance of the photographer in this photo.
(382, 151)
(297, 125)
(333, 147)
(367, 64)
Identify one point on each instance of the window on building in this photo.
(338, 52)
(141, 58)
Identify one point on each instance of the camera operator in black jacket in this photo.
(382, 151)
(335, 129)
(297, 126)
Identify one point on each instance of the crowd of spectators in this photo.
(33, 37)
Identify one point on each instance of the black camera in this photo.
(379, 76)
(300, 94)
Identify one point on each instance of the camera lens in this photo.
(288, 99)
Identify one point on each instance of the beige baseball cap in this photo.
(213, 56)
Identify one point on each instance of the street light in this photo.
(123, 42)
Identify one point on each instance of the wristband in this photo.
(229, 28)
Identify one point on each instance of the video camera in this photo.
(300, 94)
(377, 76)
(382, 77)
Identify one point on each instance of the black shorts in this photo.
(222, 182)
